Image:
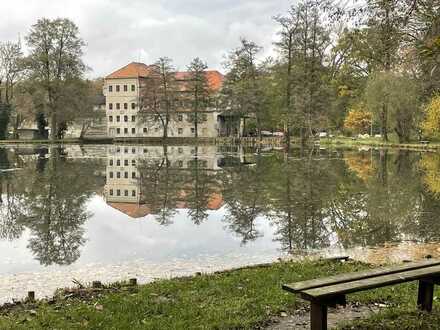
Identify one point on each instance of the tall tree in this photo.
(385, 22)
(11, 69)
(303, 44)
(55, 59)
(241, 89)
(199, 89)
(159, 94)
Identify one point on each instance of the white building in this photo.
(123, 89)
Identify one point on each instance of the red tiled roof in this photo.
(215, 202)
(132, 70)
(133, 210)
(215, 78)
(135, 70)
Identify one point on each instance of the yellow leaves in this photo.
(358, 119)
(430, 163)
(431, 125)
(360, 165)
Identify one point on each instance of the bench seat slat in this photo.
(371, 283)
(331, 280)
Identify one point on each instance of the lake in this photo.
(112, 212)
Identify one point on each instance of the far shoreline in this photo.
(276, 142)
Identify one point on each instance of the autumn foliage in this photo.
(431, 125)
(358, 120)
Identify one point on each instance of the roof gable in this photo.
(132, 70)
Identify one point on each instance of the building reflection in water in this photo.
(158, 180)
(313, 200)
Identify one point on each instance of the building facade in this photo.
(123, 91)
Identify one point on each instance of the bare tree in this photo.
(199, 91)
(158, 95)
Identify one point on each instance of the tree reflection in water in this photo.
(313, 199)
(48, 197)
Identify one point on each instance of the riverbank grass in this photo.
(245, 298)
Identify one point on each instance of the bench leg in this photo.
(425, 295)
(318, 316)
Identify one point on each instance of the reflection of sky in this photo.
(113, 237)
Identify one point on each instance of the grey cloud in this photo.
(119, 31)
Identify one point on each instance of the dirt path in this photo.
(300, 320)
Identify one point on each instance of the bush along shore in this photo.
(246, 298)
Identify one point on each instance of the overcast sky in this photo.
(121, 31)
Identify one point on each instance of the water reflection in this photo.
(46, 194)
(312, 199)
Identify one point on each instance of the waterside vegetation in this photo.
(246, 298)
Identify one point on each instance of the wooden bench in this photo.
(332, 291)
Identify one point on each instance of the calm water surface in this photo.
(115, 212)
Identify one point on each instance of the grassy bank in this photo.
(246, 298)
(375, 142)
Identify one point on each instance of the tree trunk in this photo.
(53, 126)
(384, 122)
(196, 134)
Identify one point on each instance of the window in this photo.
(118, 192)
(110, 118)
(180, 118)
(133, 106)
(126, 175)
(118, 118)
(110, 88)
(145, 130)
(193, 130)
(110, 106)
(133, 193)
(126, 193)
(180, 131)
(125, 106)
(180, 150)
(110, 162)
(118, 131)
(133, 130)
(133, 150)
(180, 163)
(133, 162)
(145, 151)
(118, 175)
(126, 150)
(133, 88)
(133, 175)
(118, 106)
(118, 162)
(126, 130)
(126, 162)
(118, 88)
(133, 118)
(111, 192)
(125, 88)
(111, 175)
(125, 118)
